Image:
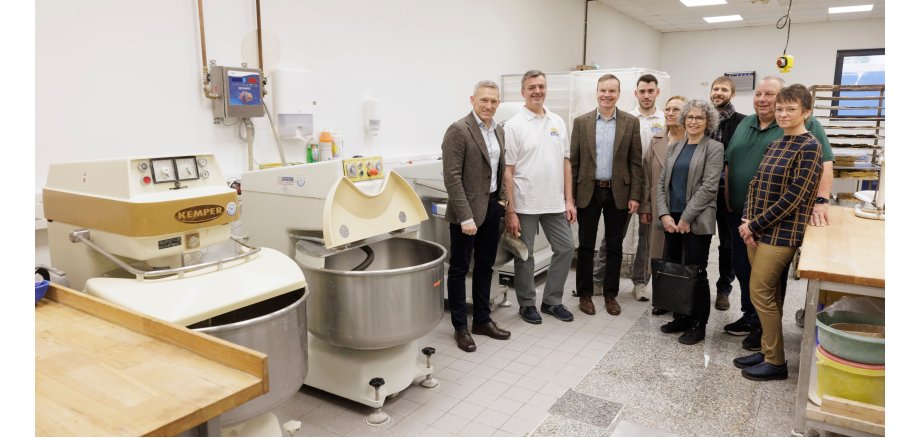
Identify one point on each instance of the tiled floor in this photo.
(509, 388)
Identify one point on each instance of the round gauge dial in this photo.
(163, 170)
(187, 168)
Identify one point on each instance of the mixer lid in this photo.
(350, 214)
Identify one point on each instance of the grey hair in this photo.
(531, 74)
(782, 82)
(712, 116)
(484, 84)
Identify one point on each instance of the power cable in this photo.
(785, 21)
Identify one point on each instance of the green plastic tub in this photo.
(849, 346)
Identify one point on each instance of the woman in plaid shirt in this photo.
(779, 203)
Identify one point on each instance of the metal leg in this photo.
(378, 418)
(209, 428)
(505, 302)
(429, 382)
(806, 356)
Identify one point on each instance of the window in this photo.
(860, 67)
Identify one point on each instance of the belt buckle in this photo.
(603, 184)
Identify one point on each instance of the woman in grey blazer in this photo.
(687, 208)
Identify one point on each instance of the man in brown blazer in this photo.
(473, 153)
(606, 161)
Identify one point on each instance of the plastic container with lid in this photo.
(850, 380)
(325, 146)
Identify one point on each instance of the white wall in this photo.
(616, 40)
(116, 78)
(694, 59)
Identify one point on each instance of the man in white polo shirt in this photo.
(538, 182)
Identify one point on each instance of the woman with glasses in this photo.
(652, 165)
(687, 208)
(778, 206)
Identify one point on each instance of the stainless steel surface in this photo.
(316, 246)
(83, 235)
(396, 300)
(276, 327)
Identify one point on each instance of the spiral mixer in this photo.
(375, 289)
(153, 234)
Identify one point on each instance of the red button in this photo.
(372, 172)
(147, 180)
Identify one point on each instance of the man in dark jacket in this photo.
(721, 94)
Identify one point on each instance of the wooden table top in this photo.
(101, 370)
(850, 250)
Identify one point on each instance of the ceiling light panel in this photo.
(845, 9)
(694, 3)
(723, 18)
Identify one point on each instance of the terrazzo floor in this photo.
(598, 375)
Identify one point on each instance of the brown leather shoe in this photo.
(613, 307)
(586, 305)
(464, 340)
(491, 330)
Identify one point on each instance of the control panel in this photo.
(240, 92)
(173, 169)
(363, 168)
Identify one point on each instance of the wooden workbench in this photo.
(848, 256)
(102, 370)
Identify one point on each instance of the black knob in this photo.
(377, 382)
(428, 351)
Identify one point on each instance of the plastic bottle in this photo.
(337, 143)
(325, 146)
(312, 153)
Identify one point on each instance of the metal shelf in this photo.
(865, 132)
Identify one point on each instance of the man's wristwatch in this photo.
(820, 200)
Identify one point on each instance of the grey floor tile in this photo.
(626, 428)
(557, 425)
(587, 409)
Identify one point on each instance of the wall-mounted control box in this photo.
(239, 90)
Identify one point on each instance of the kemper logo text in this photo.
(199, 214)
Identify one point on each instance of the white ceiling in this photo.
(673, 16)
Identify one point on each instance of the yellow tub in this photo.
(850, 380)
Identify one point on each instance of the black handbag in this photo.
(673, 284)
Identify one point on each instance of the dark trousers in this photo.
(697, 253)
(742, 267)
(481, 248)
(726, 273)
(615, 221)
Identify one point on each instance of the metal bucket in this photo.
(277, 328)
(397, 299)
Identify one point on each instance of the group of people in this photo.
(695, 169)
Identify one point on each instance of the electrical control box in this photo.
(239, 90)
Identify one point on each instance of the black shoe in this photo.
(464, 340)
(748, 361)
(678, 325)
(529, 314)
(722, 301)
(558, 310)
(491, 330)
(752, 341)
(694, 335)
(656, 311)
(740, 327)
(766, 371)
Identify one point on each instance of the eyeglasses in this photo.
(696, 118)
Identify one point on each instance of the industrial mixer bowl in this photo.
(275, 327)
(396, 299)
